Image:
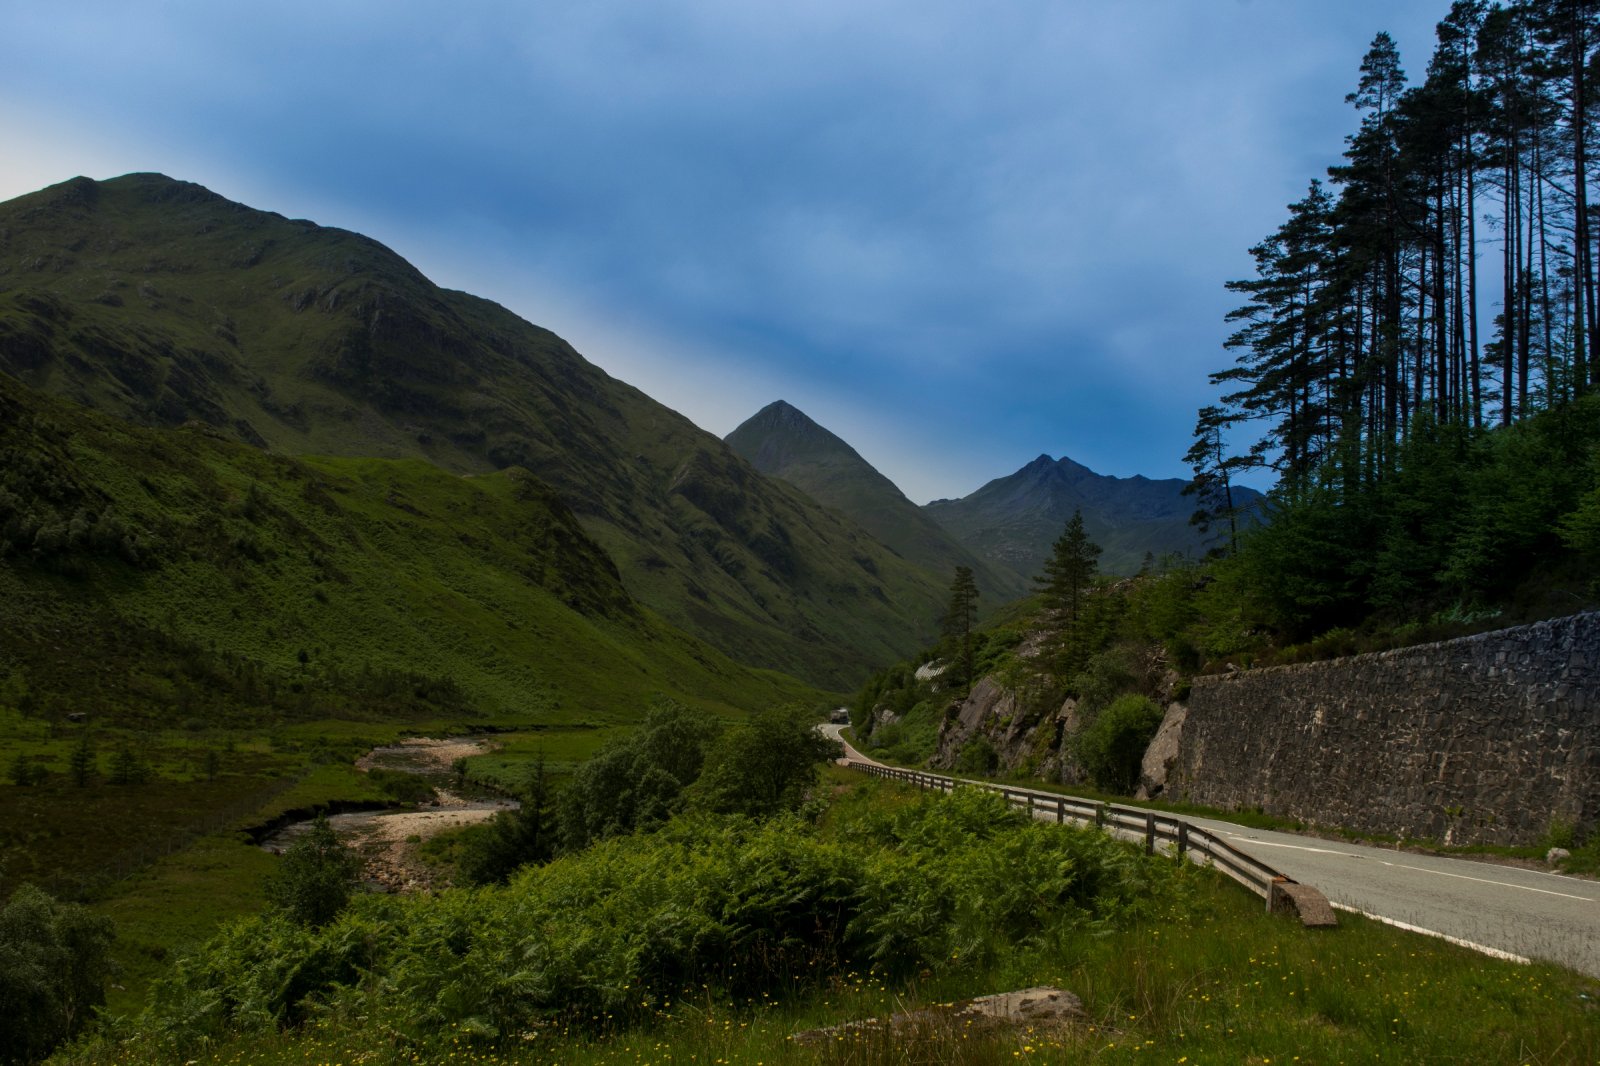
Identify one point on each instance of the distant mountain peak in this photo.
(783, 441)
(1013, 520)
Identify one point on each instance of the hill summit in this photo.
(782, 441)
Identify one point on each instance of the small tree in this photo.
(54, 963)
(513, 839)
(765, 765)
(127, 768)
(959, 616)
(315, 878)
(1069, 570)
(1112, 747)
(24, 772)
(80, 764)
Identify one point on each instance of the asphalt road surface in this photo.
(1530, 914)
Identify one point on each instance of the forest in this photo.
(1416, 351)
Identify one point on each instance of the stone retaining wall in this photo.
(1485, 739)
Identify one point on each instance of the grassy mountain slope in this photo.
(155, 575)
(1015, 519)
(782, 441)
(161, 302)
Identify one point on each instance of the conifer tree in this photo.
(1069, 570)
(960, 614)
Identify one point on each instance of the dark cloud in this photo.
(959, 234)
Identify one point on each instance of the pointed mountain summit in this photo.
(1014, 520)
(782, 441)
(162, 303)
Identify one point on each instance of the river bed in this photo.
(387, 840)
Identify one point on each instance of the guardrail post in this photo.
(1061, 811)
(1099, 815)
(1149, 833)
(1273, 892)
(1183, 837)
(1030, 806)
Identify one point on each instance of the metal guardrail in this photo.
(1189, 841)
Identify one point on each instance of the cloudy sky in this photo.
(957, 234)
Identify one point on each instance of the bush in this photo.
(317, 874)
(54, 963)
(765, 765)
(1112, 747)
(492, 853)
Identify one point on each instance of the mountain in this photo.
(158, 577)
(780, 440)
(162, 303)
(1015, 520)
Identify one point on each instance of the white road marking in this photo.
(1419, 869)
(1489, 881)
(1483, 949)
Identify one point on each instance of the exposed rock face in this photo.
(1485, 739)
(1162, 753)
(993, 713)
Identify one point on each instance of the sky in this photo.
(959, 235)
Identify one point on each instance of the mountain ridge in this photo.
(161, 302)
(1016, 519)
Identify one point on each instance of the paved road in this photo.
(1525, 913)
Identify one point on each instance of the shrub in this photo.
(1112, 746)
(313, 883)
(54, 963)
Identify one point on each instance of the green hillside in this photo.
(782, 441)
(160, 302)
(149, 576)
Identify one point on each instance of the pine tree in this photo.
(959, 616)
(1069, 570)
(80, 764)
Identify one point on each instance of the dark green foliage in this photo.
(1069, 570)
(24, 771)
(958, 618)
(977, 756)
(513, 839)
(402, 786)
(765, 765)
(1111, 747)
(637, 782)
(127, 768)
(360, 564)
(54, 964)
(81, 763)
(314, 881)
(707, 906)
(1465, 519)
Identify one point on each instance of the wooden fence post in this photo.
(1183, 838)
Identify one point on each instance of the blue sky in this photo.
(957, 234)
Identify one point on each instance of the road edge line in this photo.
(1482, 949)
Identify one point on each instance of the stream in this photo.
(387, 839)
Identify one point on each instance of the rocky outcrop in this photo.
(1486, 739)
(1162, 753)
(991, 714)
